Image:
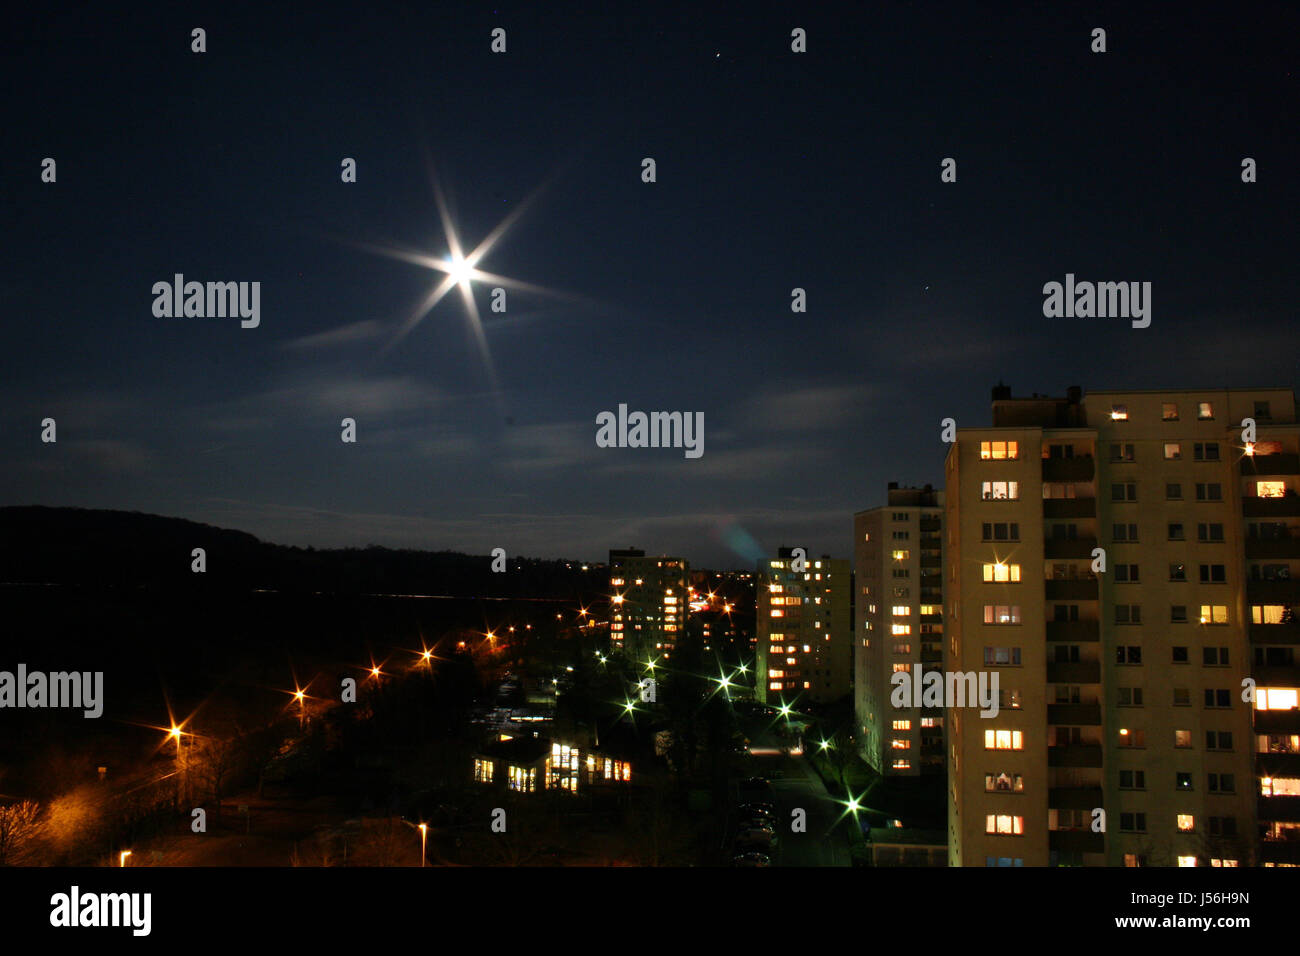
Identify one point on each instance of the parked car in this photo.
(751, 858)
(765, 810)
(760, 837)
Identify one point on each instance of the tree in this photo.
(18, 826)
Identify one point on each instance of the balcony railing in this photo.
(1064, 589)
(1280, 722)
(1073, 631)
(1286, 507)
(1074, 798)
(1074, 672)
(1275, 633)
(1074, 755)
(1068, 469)
(1286, 463)
(1085, 715)
(1273, 592)
(1069, 507)
(1068, 547)
(1076, 841)
(1288, 547)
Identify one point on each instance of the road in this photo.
(797, 786)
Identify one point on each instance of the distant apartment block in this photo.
(649, 603)
(898, 560)
(1122, 689)
(804, 629)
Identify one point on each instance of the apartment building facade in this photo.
(898, 574)
(649, 603)
(1125, 563)
(804, 629)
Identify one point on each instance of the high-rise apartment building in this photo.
(805, 628)
(898, 564)
(649, 603)
(1127, 563)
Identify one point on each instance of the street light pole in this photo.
(424, 833)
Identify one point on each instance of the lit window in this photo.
(1004, 823)
(898, 743)
(1214, 614)
(901, 610)
(999, 450)
(1270, 489)
(901, 555)
(902, 725)
(1001, 573)
(898, 629)
(1003, 740)
(1173, 450)
(1000, 490)
(1277, 698)
(1119, 413)
(1204, 411)
(1186, 822)
(1187, 861)
(1001, 614)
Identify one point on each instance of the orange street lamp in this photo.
(121, 860)
(424, 835)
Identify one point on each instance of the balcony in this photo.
(1276, 675)
(1276, 721)
(1288, 507)
(1068, 547)
(1074, 798)
(929, 656)
(1077, 841)
(1273, 547)
(1273, 592)
(931, 618)
(1068, 469)
(1073, 631)
(931, 542)
(1283, 464)
(1277, 765)
(930, 524)
(1275, 633)
(1088, 715)
(1073, 507)
(1281, 809)
(1280, 851)
(1075, 755)
(1071, 589)
(1074, 672)
(931, 560)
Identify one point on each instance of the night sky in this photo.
(775, 170)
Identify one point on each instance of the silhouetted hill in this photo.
(41, 545)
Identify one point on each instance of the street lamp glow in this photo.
(121, 860)
(424, 835)
(825, 744)
(784, 709)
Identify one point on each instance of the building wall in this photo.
(1089, 645)
(810, 612)
(898, 563)
(650, 603)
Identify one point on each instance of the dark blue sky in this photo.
(775, 170)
